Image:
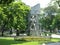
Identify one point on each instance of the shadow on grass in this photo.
(10, 42)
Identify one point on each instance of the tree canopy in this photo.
(6, 1)
(51, 19)
(13, 15)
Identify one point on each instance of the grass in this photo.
(55, 39)
(11, 41)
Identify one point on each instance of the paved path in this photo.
(58, 43)
(55, 36)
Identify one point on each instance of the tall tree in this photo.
(14, 16)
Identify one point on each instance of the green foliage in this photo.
(31, 39)
(46, 22)
(14, 15)
(18, 13)
(6, 1)
(51, 19)
(50, 9)
(58, 21)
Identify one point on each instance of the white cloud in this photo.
(43, 3)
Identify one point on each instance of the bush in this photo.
(31, 38)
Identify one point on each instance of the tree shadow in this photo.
(10, 42)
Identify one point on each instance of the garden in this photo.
(14, 23)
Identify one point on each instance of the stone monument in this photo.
(33, 20)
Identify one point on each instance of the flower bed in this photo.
(29, 38)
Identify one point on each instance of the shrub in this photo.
(28, 38)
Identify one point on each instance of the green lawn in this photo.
(11, 41)
(55, 40)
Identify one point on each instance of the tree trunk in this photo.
(50, 31)
(17, 33)
(11, 31)
(2, 33)
(3, 29)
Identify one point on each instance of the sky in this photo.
(43, 3)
